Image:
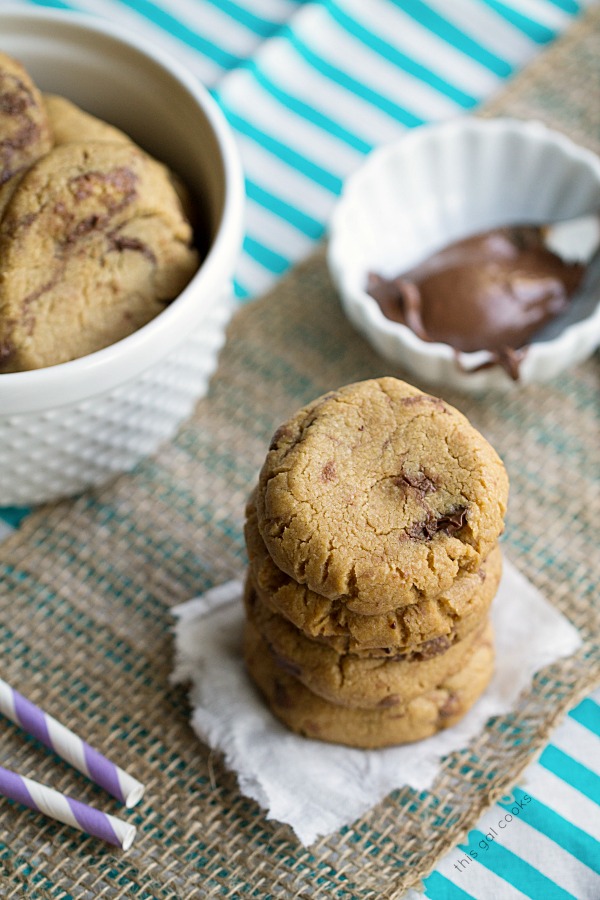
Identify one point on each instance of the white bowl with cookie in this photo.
(439, 248)
(121, 219)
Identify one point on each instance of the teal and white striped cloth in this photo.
(544, 842)
(309, 88)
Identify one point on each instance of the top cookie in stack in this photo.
(372, 540)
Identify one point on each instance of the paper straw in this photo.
(64, 809)
(69, 747)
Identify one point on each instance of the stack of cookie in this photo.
(373, 560)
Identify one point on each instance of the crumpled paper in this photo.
(317, 788)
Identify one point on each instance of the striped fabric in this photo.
(544, 841)
(309, 89)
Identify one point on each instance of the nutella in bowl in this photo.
(456, 221)
(491, 291)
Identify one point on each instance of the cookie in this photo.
(380, 493)
(313, 717)
(93, 245)
(24, 129)
(71, 124)
(440, 621)
(346, 678)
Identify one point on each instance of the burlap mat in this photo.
(87, 587)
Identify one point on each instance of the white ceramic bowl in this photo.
(72, 426)
(443, 182)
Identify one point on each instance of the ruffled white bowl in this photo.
(75, 425)
(440, 183)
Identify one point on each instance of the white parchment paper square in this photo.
(316, 787)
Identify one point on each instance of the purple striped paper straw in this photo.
(64, 809)
(69, 747)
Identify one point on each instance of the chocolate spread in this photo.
(492, 291)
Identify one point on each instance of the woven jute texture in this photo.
(87, 586)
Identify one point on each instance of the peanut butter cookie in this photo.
(24, 129)
(71, 124)
(380, 493)
(313, 717)
(93, 245)
(438, 622)
(347, 679)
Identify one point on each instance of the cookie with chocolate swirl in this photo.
(380, 494)
(24, 130)
(93, 245)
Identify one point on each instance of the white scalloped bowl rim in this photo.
(436, 361)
